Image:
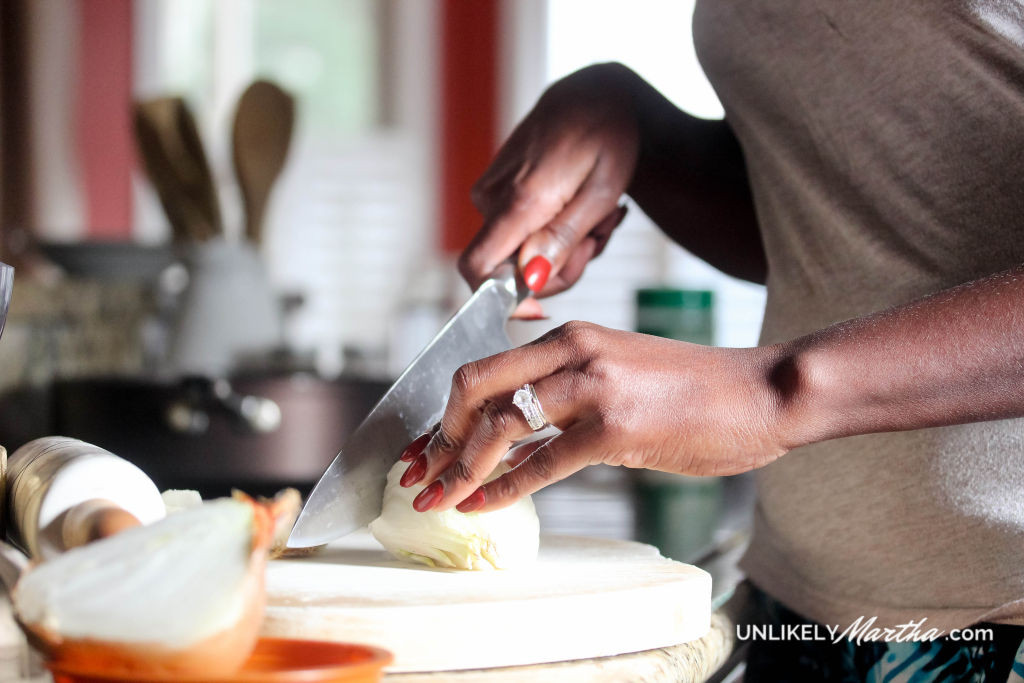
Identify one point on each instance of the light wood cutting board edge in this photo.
(507, 632)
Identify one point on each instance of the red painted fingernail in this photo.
(415, 471)
(429, 497)
(475, 501)
(536, 273)
(415, 448)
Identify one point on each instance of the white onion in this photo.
(182, 594)
(500, 539)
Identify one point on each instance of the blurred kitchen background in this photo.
(213, 353)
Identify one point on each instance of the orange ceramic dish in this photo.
(274, 660)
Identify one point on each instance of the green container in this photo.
(676, 513)
(684, 314)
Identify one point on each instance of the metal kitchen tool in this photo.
(6, 288)
(260, 136)
(350, 493)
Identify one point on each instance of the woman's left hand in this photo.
(619, 398)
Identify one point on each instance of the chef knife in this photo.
(350, 493)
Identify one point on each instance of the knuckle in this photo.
(522, 197)
(461, 471)
(534, 194)
(540, 465)
(563, 233)
(466, 378)
(582, 337)
(603, 192)
(496, 422)
(443, 441)
(503, 488)
(464, 265)
(479, 195)
(472, 265)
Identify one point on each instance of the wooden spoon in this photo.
(260, 138)
(172, 154)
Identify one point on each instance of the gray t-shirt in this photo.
(885, 146)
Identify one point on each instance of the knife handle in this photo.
(508, 277)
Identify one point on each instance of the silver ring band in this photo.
(526, 400)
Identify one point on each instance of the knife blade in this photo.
(350, 493)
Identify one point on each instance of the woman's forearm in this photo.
(691, 180)
(953, 357)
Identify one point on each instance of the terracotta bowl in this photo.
(274, 660)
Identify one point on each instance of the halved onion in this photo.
(184, 595)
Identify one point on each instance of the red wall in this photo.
(104, 132)
(469, 62)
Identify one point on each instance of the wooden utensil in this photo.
(260, 138)
(583, 598)
(172, 154)
(94, 519)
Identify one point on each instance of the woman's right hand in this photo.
(552, 191)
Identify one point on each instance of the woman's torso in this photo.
(885, 147)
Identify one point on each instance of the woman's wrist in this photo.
(797, 378)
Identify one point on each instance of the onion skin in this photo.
(220, 654)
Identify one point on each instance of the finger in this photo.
(529, 309)
(515, 456)
(418, 444)
(556, 459)
(474, 386)
(500, 425)
(602, 232)
(586, 251)
(521, 453)
(505, 169)
(523, 205)
(493, 378)
(545, 251)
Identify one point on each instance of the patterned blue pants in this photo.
(1000, 660)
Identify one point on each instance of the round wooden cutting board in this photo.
(583, 598)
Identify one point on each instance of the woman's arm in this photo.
(691, 179)
(953, 357)
(630, 399)
(550, 197)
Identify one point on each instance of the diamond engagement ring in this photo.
(526, 400)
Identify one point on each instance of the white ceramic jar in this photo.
(48, 477)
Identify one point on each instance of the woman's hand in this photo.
(619, 398)
(553, 189)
